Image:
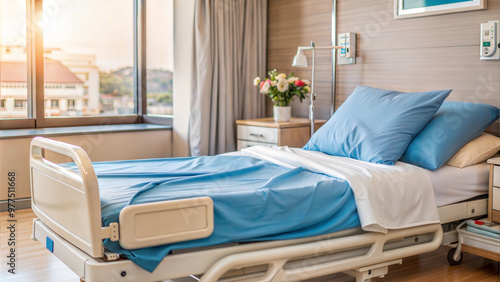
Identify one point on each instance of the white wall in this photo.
(183, 66)
(99, 147)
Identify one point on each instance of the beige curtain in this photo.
(230, 51)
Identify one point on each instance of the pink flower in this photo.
(265, 87)
(300, 83)
(264, 81)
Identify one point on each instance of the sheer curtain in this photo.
(229, 52)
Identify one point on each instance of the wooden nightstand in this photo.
(494, 192)
(265, 131)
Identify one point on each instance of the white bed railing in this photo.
(276, 258)
(66, 201)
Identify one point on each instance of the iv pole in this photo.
(300, 60)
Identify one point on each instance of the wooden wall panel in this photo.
(293, 23)
(416, 54)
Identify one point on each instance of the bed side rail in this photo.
(153, 224)
(64, 200)
(277, 258)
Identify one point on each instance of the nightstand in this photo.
(265, 131)
(494, 191)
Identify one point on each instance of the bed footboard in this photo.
(69, 203)
(66, 201)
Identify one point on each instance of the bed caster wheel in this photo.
(451, 260)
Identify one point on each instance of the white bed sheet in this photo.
(452, 184)
(387, 197)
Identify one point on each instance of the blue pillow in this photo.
(453, 126)
(376, 125)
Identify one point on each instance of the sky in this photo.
(100, 27)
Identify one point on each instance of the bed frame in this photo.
(69, 224)
(453, 214)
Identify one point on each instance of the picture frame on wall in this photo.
(419, 8)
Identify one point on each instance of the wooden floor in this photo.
(35, 263)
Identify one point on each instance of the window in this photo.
(71, 104)
(20, 104)
(93, 62)
(87, 59)
(2, 104)
(54, 103)
(13, 59)
(160, 56)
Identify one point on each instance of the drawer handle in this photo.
(256, 135)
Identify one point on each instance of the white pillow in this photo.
(478, 150)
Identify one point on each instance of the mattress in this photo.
(452, 184)
(254, 200)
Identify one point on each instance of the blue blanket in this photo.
(254, 200)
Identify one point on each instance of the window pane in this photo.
(159, 55)
(88, 58)
(13, 69)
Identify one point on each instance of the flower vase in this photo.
(282, 113)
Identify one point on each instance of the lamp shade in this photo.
(300, 60)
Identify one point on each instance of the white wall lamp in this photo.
(300, 60)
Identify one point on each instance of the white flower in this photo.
(307, 89)
(281, 75)
(265, 87)
(307, 82)
(256, 81)
(282, 85)
(273, 83)
(292, 79)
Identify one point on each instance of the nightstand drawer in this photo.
(242, 144)
(257, 133)
(496, 198)
(496, 176)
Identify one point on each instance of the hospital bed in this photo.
(60, 196)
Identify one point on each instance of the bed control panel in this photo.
(346, 55)
(489, 41)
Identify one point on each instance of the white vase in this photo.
(282, 113)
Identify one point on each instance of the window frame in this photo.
(36, 86)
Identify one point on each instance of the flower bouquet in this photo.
(282, 89)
